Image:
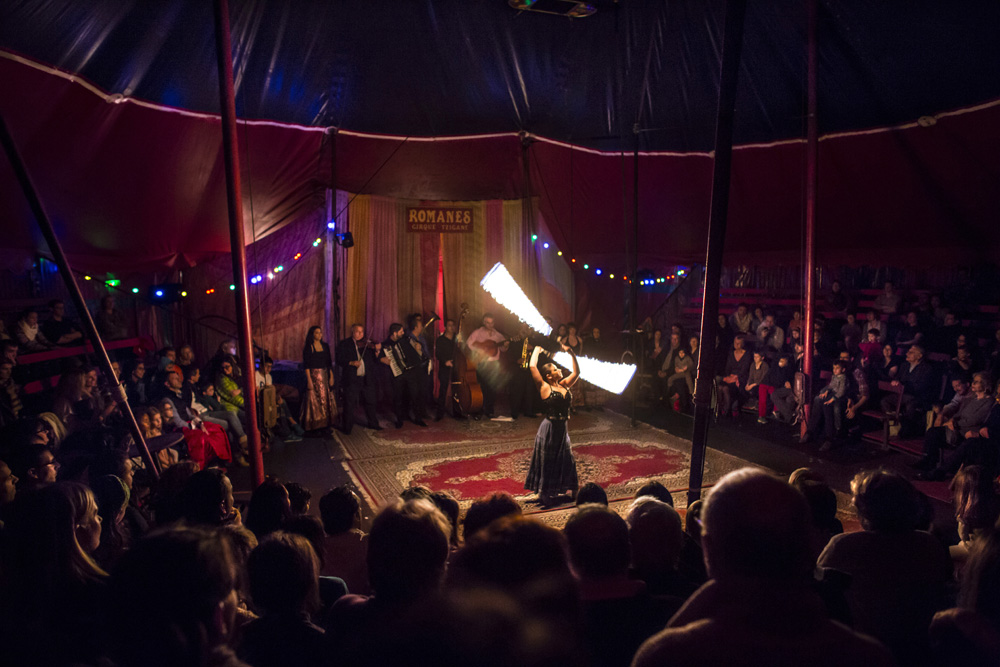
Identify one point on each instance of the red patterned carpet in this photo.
(470, 459)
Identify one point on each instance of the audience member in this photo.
(345, 551)
(486, 510)
(269, 508)
(284, 586)
(977, 508)
(733, 380)
(207, 499)
(28, 334)
(110, 321)
(591, 493)
(657, 539)
(299, 498)
(759, 607)
(888, 301)
(917, 380)
(58, 329)
(618, 612)
(112, 497)
(970, 416)
(173, 601)
(898, 572)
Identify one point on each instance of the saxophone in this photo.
(524, 353)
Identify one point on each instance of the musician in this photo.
(521, 385)
(397, 351)
(415, 332)
(486, 343)
(444, 352)
(356, 356)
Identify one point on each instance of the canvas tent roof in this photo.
(114, 105)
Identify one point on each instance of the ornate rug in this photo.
(470, 459)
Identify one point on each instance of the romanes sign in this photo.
(448, 219)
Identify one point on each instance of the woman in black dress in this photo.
(553, 468)
(318, 406)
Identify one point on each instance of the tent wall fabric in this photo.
(114, 105)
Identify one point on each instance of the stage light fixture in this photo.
(87, 278)
(232, 288)
(298, 255)
(612, 276)
(345, 240)
(586, 266)
(331, 225)
(135, 290)
(534, 237)
(159, 293)
(597, 271)
(559, 253)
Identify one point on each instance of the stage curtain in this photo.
(417, 267)
(464, 266)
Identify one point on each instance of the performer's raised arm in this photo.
(575, 375)
(540, 383)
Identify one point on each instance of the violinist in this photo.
(444, 352)
(356, 358)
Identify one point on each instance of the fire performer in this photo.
(553, 468)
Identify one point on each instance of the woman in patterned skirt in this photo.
(553, 468)
(319, 410)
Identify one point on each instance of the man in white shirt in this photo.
(486, 344)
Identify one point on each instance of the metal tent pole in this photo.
(731, 47)
(237, 239)
(812, 149)
(31, 194)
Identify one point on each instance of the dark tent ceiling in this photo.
(416, 68)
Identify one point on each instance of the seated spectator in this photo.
(961, 388)
(164, 446)
(977, 508)
(850, 334)
(770, 337)
(899, 573)
(859, 391)
(173, 601)
(759, 607)
(837, 301)
(117, 463)
(33, 465)
(657, 541)
(28, 334)
(110, 322)
(200, 399)
(286, 428)
(666, 368)
(979, 446)
(206, 499)
(206, 440)
(167, 357)
(112, 497)
(135, 385)
(299, 498)
(619, 614)
(961, 366)
(269, 508)
(656, 490)
(889, 300)
(486, 510)
(591, 494)
(8, 491)
(822, 507)
(779, 387)
(419, 530)
(758, 373)
(794, 338)
(185, 356)
(795, 324)
(723, 341)
(828, 408)
(51, 590)
(871, 349)
(916, 377)
(345, 551)
(733, 381)
(911, 333)
(166, 500)
(873, 323)
(970, 416)
(10, 395)
(969, 634)
(59, 329)
(741, 321)
(680, 383)
(284, 585)
(446, 502)
(228, 390)
(887, 367)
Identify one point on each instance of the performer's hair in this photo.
(357, 324)
(394, 327)
(449, 321)
(411, 321)
(489, 315)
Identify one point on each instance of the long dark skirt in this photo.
(319, 409)
(553, 468)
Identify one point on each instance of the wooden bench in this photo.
(881, 437)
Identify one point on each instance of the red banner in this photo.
(438, 219)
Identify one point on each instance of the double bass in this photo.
(465, 386)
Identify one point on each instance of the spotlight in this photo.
(559, 253)
(135, 290)
(331, 225)
(345, 240)
(534, 237)
(184, 293)
(586, 266)
(232, 288)
(297, 256)
(545, 245)
(270, 276)
(317, 242)
(598, 272)
(612, 276)
(159, 293)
